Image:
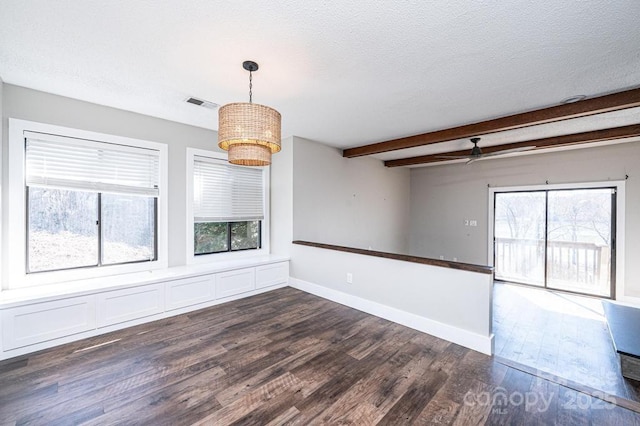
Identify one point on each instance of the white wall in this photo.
(27, 104)
(349, 202)
(360, 203)
(281, 216)
(448, 303)
(2, 174)
(443, 196)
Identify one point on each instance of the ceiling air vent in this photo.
(202, 103)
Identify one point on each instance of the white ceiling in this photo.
(341, 73)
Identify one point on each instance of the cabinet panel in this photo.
(129, 304)
(31, 324)
(235, 282)
(268, 275)
(190, 291)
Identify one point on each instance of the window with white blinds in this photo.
(83, 204)
(226, 193)
(83, 165)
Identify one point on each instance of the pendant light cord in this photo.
(250, 86)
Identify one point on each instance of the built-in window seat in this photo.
(36, 318)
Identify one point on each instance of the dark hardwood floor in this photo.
(560, 334)
(283, 357)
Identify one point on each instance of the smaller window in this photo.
(228, 206)
(218, 237)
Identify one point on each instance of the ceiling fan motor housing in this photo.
(476, 151)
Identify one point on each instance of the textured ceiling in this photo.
(341, 73)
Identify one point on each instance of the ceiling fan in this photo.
(476, 153)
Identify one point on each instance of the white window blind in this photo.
(226, 193)
(83, 165)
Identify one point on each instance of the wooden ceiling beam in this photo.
(555, 141)
(601, 104)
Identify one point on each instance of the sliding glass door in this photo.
(579, 240)
(519, 243)
(559, 239)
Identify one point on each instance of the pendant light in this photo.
(250, 132)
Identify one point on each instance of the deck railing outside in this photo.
(581, 266)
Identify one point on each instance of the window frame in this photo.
(618, 185)
(16, 258)
(192, 258)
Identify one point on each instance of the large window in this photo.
(89, 204)
(86, 206)
(228, 206)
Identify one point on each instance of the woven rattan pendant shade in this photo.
(250, 132)
(249, 155)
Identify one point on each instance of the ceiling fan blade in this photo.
(471, 158)
(453, 157)
(508, 151)
(497, 153)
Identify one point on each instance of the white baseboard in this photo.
(462, 337)
(629, 301)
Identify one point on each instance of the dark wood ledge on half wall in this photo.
(482, 269)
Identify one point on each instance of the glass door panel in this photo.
(579, 232)
(519, 237)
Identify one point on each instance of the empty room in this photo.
(319, 212)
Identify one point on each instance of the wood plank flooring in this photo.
(283, 357)
(559, 334)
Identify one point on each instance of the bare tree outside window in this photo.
(64, 229)
(558, 238)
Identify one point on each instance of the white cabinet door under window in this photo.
(273, 274)
(129, 304)
(190, 291)
(235, 282)
(40, 322)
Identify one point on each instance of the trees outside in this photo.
(519, 237)
(574, 215)
(520, 215)
(555, 238)
(580, 216)
(63, 229)
(211, 237)
(128, 222)
(215, 237)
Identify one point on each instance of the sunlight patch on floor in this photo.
(579, 306)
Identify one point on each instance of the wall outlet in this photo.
(455, 259)
(441, 257)
(349, 278)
